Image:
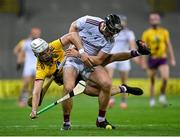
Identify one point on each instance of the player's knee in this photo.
(106, 85)
(165, 77)
(164, 80)
(68, 88)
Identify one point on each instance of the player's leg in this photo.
(164, 72)
(103, 81)
(27, 79)
(124, 67)
(124, 77)
(152, 74)
(69, 78)
(93, 90)
(110, 69)
(25, 91)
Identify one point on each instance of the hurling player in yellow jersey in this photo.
(49, 56)
(157, 38)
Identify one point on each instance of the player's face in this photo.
(35, 33)
(154, 19)
(46, 55)
(107, 33)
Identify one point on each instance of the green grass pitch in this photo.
(138, 119)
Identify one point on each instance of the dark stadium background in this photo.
(55, 16)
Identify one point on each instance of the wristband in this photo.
(81, 51)
(135, 53)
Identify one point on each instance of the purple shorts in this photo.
(155, 63)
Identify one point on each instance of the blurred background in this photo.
(54, 18)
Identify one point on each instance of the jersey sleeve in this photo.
(131, 36)
(107, 48)
(40, 73)
(56, 44)
(21, 43)
(80, 23)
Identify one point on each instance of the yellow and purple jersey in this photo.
(156, 40)
(44, 70)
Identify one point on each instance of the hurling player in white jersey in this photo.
(97, 36)
(124, 41)
(29, 65)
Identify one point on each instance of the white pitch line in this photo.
(82, 125)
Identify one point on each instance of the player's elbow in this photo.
(70, 37)
(73, 27)
(98, 62)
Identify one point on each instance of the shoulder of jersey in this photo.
(94, 18)
(163, 28)
(148, 30)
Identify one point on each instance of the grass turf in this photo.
(138, 119)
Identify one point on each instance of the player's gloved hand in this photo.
(142, 47)
(33, 115)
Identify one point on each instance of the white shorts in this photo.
(79, 66)
(120, 65)
(29, 70)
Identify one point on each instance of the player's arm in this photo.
(78, 25)
(73, 27)
(38, 84)
(104, 58)
(132, 44)
(17, 49)
(141, 50)
(72, 38)
(171, 52)
(99, 59)
(117, 57)
(19, 53)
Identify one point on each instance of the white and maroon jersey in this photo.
(122, 41)
(93, 40)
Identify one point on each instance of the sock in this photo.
(123, 99)
(66, 119)
(101, 116)
(123, 89)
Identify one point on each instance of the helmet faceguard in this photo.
(41, 50)
(113, 24)
(46, 55)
